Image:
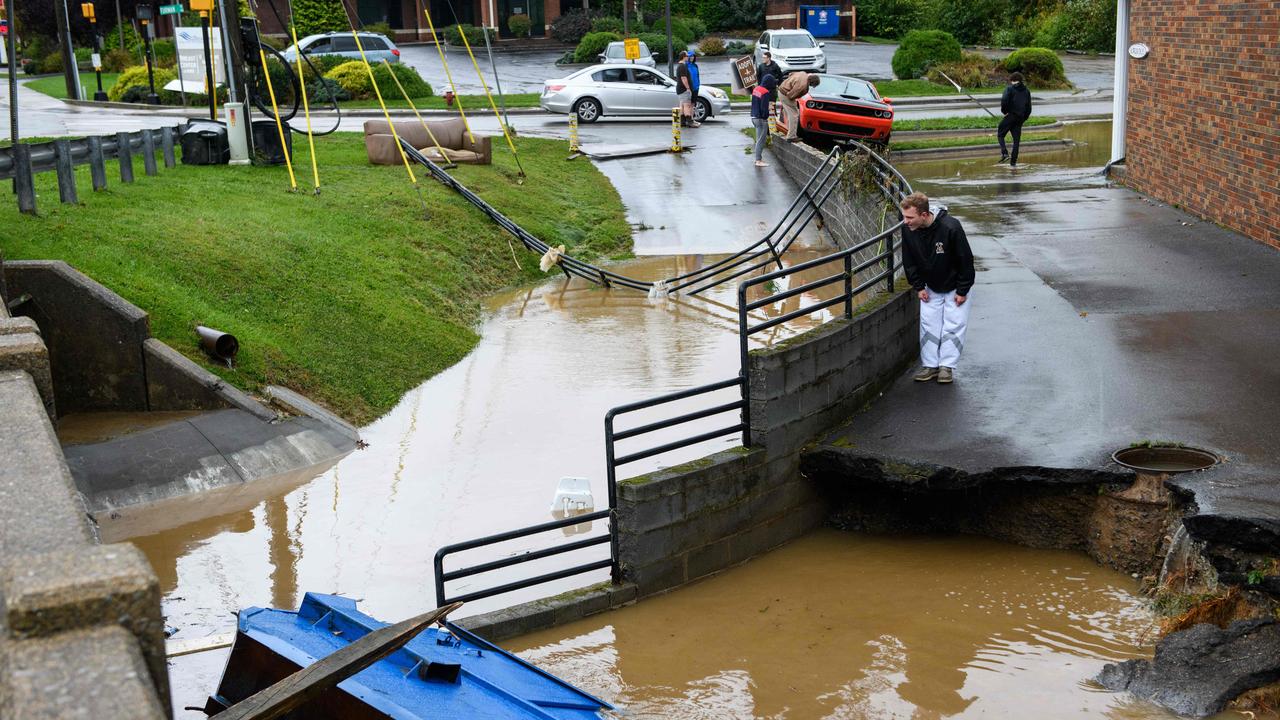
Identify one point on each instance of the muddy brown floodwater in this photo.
(838, 625)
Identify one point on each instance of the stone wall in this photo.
(1201, 131)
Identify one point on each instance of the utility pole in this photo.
(671, 51)
(120, 25)
(626, 22)
(13, 75)
(63, 18)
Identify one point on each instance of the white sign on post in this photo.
(190, 46)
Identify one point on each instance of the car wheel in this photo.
(588, 110)
(701, 110)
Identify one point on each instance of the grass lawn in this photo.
(931, 143)
(920, 88)
(963, 123)
(478, 103)
(56, 86)
(351, 296)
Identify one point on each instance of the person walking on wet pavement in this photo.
(1016, 106)
(769, 67)
(760, 115)
(789, 92)
(939, 265)
(684, 90)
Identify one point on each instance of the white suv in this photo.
(792, 50)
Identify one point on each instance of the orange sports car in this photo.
(844, 107)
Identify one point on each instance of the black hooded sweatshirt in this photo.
(938, 256)
(1016, 101)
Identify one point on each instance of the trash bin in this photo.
(266, 143)
(204, 142)
(821, 20)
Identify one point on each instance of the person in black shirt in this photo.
(684, 90)
(939, 265)
(1016, 106)
(769, 67)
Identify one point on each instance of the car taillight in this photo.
(396, 53)
(554, 88)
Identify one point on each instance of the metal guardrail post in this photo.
(22, 181)
(611, 475)
(125, 153)
(66, 170)
(148, 153)
(97, 164)
(744, 374)
(848, 286)
(166, 144)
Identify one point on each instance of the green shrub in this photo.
(51, 63)
(312, 17)
(83, 56)
(921, 49)
(454, 33)
(318, 66)
(739, 48)
(132, 40)
(1040, 67)
(606, 23)
(970, 21)
(322, 90)
(381, 28)
(352, 77)
(971, 71)
(888, 18)
(698, 27)
(164, 51)
(681, 33)
(117, 60)
(519, 25)
(136, 76)
(1080, 25)
(572, 26)
(657, 44)
(592, 45)
(711, 46)
(414, 85)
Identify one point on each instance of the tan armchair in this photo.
(451, 134)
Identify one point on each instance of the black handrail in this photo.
(442, 598)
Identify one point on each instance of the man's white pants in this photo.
(942, 326)
(790, 115)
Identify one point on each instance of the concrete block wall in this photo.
(1201, 128)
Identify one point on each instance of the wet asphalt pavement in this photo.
(1101, 318)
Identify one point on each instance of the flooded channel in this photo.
(838, 625)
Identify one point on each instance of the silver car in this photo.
(792, 50)
(624, 89)
(617, 53)
(376, 47)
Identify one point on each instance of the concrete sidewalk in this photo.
(1100, 319)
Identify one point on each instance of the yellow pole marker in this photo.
(573, 133)
(213, 66)
(489, 95)
(457, 97)
(306, 110)
(675, 130)
(414, 108)
(284, 147)
(372, 81)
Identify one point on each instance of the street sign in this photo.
(632, 46)
(171, 9)
(96, 61)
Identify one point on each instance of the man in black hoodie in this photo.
(1016, 106)
(939, 265)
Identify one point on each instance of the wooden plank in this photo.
(66, 170)
(292, 692)
(97, 164)
(124, 151)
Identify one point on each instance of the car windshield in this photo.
(851, 88)
(792, 42)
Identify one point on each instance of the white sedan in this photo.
(624, 89)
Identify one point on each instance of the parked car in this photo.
(376, 47)
(792, 50)
(624, 89)
(617, 53)
(845, 107)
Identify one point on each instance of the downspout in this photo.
(1120, 93)
(493, 18)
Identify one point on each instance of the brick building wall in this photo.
(1203, 127)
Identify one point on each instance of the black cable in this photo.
(257, 85)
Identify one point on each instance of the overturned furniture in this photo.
(451, 135)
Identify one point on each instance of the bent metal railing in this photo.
(854, 262)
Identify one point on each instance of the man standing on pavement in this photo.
(939, 265)
(769, 67)
(1016, 106)
(684, 90)
(791, 90)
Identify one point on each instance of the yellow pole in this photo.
(489, 95)
(417, 114)
(284, 147)
(306, 110)
(452, 86)
(372, 81)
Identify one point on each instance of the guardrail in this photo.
(21, 161)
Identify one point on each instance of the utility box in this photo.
(820, 20)
(204, 142)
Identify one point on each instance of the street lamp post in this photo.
(92, 17)
(144, 17)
